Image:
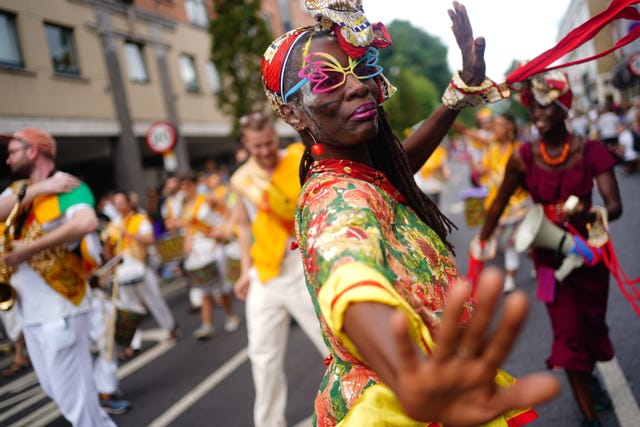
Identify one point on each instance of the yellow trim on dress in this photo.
(378, 406)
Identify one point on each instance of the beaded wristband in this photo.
(458, 95)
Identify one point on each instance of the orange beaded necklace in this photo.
(555, 161)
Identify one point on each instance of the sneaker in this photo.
(601, 399)
(509, 284)
(112, 405)
(231, 324)
(204, 332)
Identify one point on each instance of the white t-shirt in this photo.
(204, 249)
(626, 140)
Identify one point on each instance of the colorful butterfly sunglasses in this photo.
(327, 74)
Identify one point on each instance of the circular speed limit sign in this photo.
(161, 137)
(634, 64)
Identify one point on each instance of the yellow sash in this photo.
(61, 269)
(115, 236)
(190, 216)
(274, 222)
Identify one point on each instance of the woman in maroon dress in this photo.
(553, 168)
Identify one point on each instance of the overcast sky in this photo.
(513, 29)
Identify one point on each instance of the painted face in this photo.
(343, 113)
(263, 146)
(17, 159)
(325, 73)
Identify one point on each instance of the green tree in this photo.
(419, 99)
(416, 51)
(239, 38)
(416, 63)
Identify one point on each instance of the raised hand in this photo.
(473, 65)
(456, 385)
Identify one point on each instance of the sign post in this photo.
(161, 138)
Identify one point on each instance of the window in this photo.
(197, 12)
(214, 77)
(135, 62)
(62, 49)
(188, 73)
(10, 54)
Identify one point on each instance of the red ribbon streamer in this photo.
(618, 9)
(475, 268)
(627, 286)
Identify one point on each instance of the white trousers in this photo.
(61, 359)
(147, 294)
(105, 367)
(12, 324)
(268, 310)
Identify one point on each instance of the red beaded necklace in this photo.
(555, 161)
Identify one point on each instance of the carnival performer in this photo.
(101, 315)
(477, 141)
(129, 235)
(172, 202)
(51, 281)
(221, 198)
(105, 364)
(434, 174)
(557, 166)
(271, 278)
(378, 266)
(205, 259)
(491, 174)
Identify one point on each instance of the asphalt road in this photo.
(193, 383)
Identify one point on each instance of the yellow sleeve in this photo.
(355, 282)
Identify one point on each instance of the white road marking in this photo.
(201, 389)
(50, 412)
(304, 423)
(624, 404)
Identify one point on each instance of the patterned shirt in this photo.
(362, 243)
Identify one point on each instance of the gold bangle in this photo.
(458, 95)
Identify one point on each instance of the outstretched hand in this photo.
(456, 384)
(473, 66)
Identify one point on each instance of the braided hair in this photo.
(387, 155)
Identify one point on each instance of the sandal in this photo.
(15, 368)
(127, 354)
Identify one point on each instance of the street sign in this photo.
(161, 137)
(634, 64)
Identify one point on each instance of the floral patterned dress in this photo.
(361, 242)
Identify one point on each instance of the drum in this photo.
(130, 271)
(170, 247)
(232, 260)
(126, 324)
(205, 276)
(474, 205)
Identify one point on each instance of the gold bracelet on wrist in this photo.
(458, 95)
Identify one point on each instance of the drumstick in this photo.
(108, 266)
(114, 313)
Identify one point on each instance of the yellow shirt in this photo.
(494, 163)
